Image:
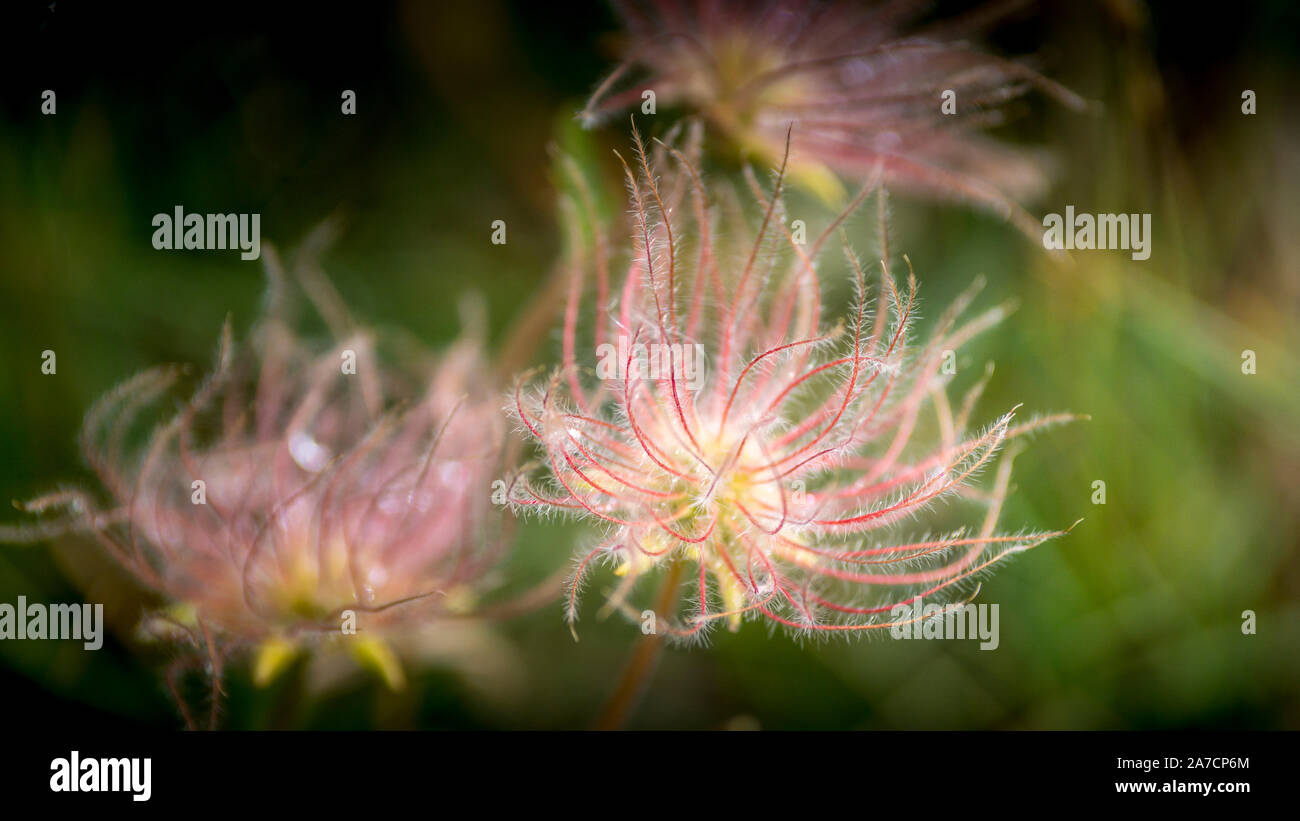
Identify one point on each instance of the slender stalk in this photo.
(218, 689)
(530, 330)
(640, 668)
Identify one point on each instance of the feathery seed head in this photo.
(772, 476)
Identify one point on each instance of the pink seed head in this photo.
(774, 480)
(860, 94)
(300, 481)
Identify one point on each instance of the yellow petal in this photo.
(460, 600)
(375, 654)
(733, 600)
(821, 181)
(273, 656)
(169, 625)
(812, 176)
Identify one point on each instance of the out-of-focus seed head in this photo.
(302, 489)
(862, 89)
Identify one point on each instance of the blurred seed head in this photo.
(862, 87)
(301, 487)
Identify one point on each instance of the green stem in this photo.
(640, 668)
